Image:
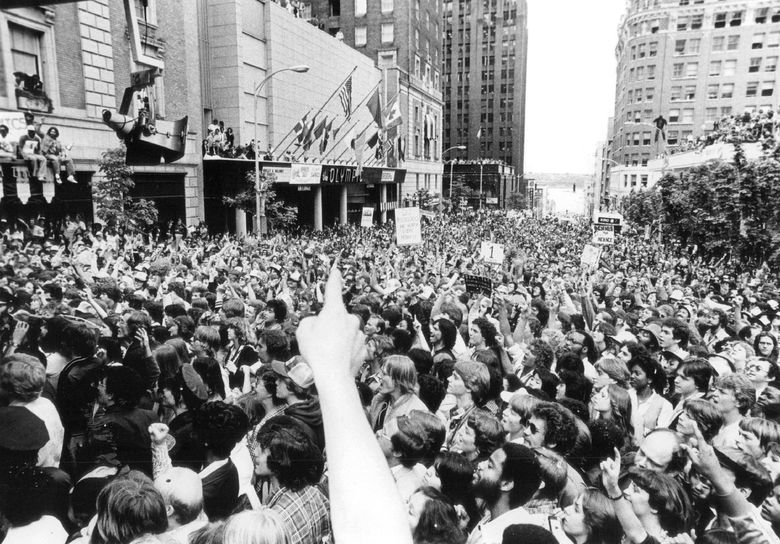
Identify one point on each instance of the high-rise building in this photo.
(404, 38)
(484, 78)
(690, 62)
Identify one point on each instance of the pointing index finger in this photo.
(333, 300)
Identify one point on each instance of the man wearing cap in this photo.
(30, 150)
(505, 481)
(294, 388)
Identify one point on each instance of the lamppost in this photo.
(461, 147)
(480, 184)
(261, 226)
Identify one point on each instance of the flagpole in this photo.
(326, 101)
(285, 137)
(338, 129)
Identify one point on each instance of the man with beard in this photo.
(505, 481)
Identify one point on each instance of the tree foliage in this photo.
(726, 209)
(111, 192)
(277, 213)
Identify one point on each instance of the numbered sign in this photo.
(492, 253)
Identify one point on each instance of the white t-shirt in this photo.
(48, 529)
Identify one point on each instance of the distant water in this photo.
(566, 200)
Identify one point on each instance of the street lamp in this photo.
(461, 147)
(261, 226)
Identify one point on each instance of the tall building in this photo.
(484, 78)
(690, 62)
(404, 39)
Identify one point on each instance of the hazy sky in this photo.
(571, 82)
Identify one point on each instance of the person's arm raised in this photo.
(365, 504)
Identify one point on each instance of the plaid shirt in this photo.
(306, 514)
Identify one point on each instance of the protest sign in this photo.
(590, 256)
(492, 253)
(367, 219)
(478, 284)
(407, 226)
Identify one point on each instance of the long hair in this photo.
(621, 407)
(438, 522)
(600, 518)
(456, 474)
(401, 369)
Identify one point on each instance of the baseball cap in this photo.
(296, 369)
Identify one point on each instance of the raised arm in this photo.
(365, 504)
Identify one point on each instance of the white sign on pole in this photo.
(590, 256)
(367, 219)
(604, 237)
(407, 226)
(492, 253)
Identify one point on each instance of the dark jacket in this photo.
(122, 435)
(220, 492)
(76, 392)
(146, 367)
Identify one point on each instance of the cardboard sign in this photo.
(604, 237)
(478, 284)
(492, 253)
(590, 256)
(367, 220)
(407, 226)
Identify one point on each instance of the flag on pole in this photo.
(373, 140)
(345, 97)
(299, 127)
(320, 127)
(309, 133)
(358, 144)
(325, 136)
(392, 113)
(401, 148)
(375, 107)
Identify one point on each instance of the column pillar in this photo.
(343, 206)
(240, 222)
(382, 201)
(318, 207)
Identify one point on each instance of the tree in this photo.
(277, 213)
(111, 191)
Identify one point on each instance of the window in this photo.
(773, 40)
(633, 180)
(761, 15)
(712, 91)
(644, 179)
(711, 114)
(730, 67)
(630, 96)
(727, 90)
(720, 19)
(687, 115)
(676, 93)
(758, 40)
(637, 116)
(755, 64)
(693, 46)
(640, 73)
(679, 47)
(752, 88)
(417, 39)
(715, 66)
(651, 71)
(671, 137)
(645, 138)
(653, 49)
(736, 18)
(725, 110)
(767, 88)
(387, 6)
(733, 42)
(360, 36)
(776, 15)
(387, 32)
(25, 50)
(771, 64)
(718, 43)
(417, 66)
(690, 92)
(692, 69)
(682, 23)
(649, 94)
(696, 21)
(641, 50)
(674, 116)
(636, 138)
(360, 8)
(633, 52)
(677, 70)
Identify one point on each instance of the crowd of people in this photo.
(314, 387)
(757, 126)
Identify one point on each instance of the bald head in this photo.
(182, 490)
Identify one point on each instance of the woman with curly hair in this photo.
(239, 353)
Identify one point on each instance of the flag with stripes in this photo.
(345, 97)
(299, 128)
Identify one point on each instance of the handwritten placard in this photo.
(478, 284)
(407, 226)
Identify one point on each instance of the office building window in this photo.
(761, 15)
(767, 88)
(360, 36)
(727, 90)
(671, 137)
(725, 111)
(640, 73)
(687, 115)
(752, 89)
(776, 15)
(773, 40)
(676, 93)
(755, 64)
(736, 18)
(693, 46)
(692, 69)
(641, 50)
(711, 114)
(387, 32)
(649, 94)
(387, 6)
(677, 70)
(718, 42)
(25, 50)
(696, 21)
(715, 67)
(690, 92)
(682, 23)
(730, 67)
(653, 49)
(733, 43)
(712, 91)
(771, 64)
(360, 8)
(720, 19)
(674, 115)
(758, 40)
(646, 138)
(679, 47)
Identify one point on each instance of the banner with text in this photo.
(305, 174)
(407, 226)
(367, 220)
